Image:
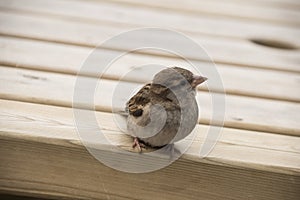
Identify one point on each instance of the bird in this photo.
(164, 111)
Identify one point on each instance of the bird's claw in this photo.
(138, 145)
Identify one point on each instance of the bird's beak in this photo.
(198, 80)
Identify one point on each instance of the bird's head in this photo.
(176, 79)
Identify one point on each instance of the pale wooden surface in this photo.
(57, 89)
(69, 164)
(43, 45)
(280, 12)
(93, 12)
(15, 116)
(68, 59)
(225, 50)
(71, 173)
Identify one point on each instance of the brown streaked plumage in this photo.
(164, 111)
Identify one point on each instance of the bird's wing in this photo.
(141, 98)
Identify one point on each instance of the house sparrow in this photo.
(164, 111)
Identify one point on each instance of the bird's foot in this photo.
(137, 144)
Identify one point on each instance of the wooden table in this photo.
(255, 46)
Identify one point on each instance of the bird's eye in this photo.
(183, 82)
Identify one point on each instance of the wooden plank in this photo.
(17, 196)
(15, 117)
(34, 143)
(120, 14)
(68, 59)
(221, 50)
(292, 4)
(280, 4)
(72, 173)
(57, 89)
(85, 178)
(246, 10)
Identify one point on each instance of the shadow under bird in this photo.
(164, 111)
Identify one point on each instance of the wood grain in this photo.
(220, 50)
(44, 44)
(246, 10)
(74, 174)
(279, 4)
(29, 121)
(56, 164)
(57, 89)
(68, 59)
(89, 11)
